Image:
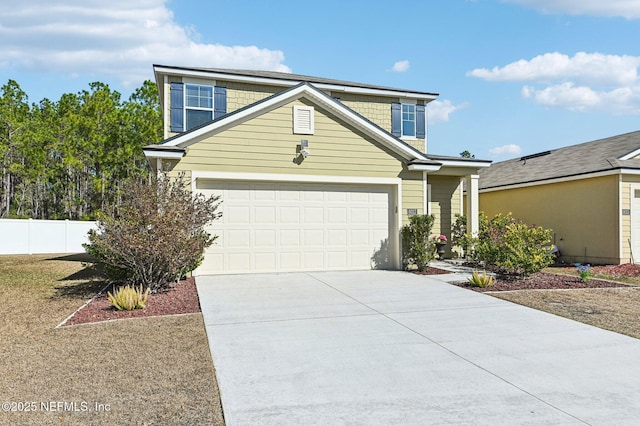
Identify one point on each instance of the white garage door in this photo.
(286, 227)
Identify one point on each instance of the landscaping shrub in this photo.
(511, 246)
(459, 236)
(128, 298)
(155, 235)
(418, 248)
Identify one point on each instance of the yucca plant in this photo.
(128, 298)
(482, 281)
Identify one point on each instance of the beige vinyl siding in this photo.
(375, 108)
(584, 215)
(378, 110)
(266, 144)
(239, 95)
(412, 194)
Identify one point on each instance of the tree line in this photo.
(68, 159)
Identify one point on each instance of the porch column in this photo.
(472, 205)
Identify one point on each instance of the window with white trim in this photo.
(198, 105)
(408, 120)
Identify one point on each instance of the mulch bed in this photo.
(432, 271)
(179, 298)
(541, 281)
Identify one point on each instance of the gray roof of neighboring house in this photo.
(590, 157)
(292, 77)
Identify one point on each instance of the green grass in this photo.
(146, 371)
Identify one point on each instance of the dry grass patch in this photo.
(615, 309)
(145, 371)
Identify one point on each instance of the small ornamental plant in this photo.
(128, 298)
(482, 281)
(584, 271)
(439, 239)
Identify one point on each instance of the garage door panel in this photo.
(313, 237)
(290, 238)
(337, 215)
(277, 227)
(289, 215)
(359, 237)
(264, 238)
(237, 238)
(235, 214)
(313, 215)
(337, 237)
(262, 262)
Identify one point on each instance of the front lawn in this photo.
(140, 371)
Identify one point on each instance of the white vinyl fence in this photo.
(32, 236)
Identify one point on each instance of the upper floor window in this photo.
(198, 105)
(195, 104)
(408, 120)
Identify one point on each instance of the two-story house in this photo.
(314, 173)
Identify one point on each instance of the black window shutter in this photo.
(396, 119)
(219, 101)
(421, 128)
(177, 107)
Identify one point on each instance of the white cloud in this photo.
(583, 82)
(623, 100)
(401, 66)
(629, 9)
(439, 111)
(591, 68)
(505, 151)
(119, 38)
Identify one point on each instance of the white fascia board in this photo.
(296, 93)
(283, 177)
(467, 164)
(280, 82)
(168, 155)
(630, 155)
(424, 167)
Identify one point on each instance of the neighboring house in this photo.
(314, 174)
(588, 194)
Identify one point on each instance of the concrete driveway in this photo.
(381, 348)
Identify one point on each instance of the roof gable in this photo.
(315, 97)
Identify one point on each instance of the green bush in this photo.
(459, 236)
(155, 235)
(512, 247)
(128, 298)
(418, 248)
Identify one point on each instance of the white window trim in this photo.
(415, 119)
(185, 107)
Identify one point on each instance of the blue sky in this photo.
(515, 77)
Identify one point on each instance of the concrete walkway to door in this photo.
(383, 348)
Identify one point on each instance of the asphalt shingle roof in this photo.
(294, 78)
(590, 157)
